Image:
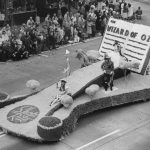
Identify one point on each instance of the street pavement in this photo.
(47, 68)
(120, 128)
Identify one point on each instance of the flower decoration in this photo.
(92, 90)
(33, 85)
(66, 100)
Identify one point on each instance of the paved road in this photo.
(121, 128)
(47, 68)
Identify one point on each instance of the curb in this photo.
(67, 45)
(143, 1)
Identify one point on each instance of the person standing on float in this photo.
(108, 68)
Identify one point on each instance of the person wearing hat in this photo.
(108, 68)
(63, 90)
(62, 86)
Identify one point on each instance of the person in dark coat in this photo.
(98, 21)
(108, 68)
(25, 38)
(51, 41)
(33, 41)
(103, 23)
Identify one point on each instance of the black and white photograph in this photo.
(74, 74)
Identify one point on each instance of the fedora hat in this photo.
(62, 80)
(106, 56)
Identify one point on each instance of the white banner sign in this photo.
(133, 38)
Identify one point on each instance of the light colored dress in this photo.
(119, 61)
(130, 13)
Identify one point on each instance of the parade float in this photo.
(52, 113)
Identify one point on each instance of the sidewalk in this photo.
(143, 1)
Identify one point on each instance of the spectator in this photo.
(63, 9)
(89, 25)
(48, 20)
(7, 27)
(98, 21)
(37, 20)
(66, 17)
(55, 18)
(139, 13)
(116, 6)
(74, 18)
(30, 22)
(110, 12)
(22, 29)
(1, 39)
(5, 37)
(51, 38)
(81, 27)
(117, 15)
(130, 12)
(114, 14)
(104, 9)
(61, 35)
(72, 24)
(103, 5)
(76, 37)
(82, 10)
(87, 6)
(60, 20)
(81, 23)
(104, 23)
(110, 3)
(77, 16)
(107, 2)
(122, 7)
(66, 24)
(91, 19)
(125, 11)
(7, 30)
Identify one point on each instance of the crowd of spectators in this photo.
(17, 43)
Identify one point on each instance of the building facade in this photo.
(17, 11)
